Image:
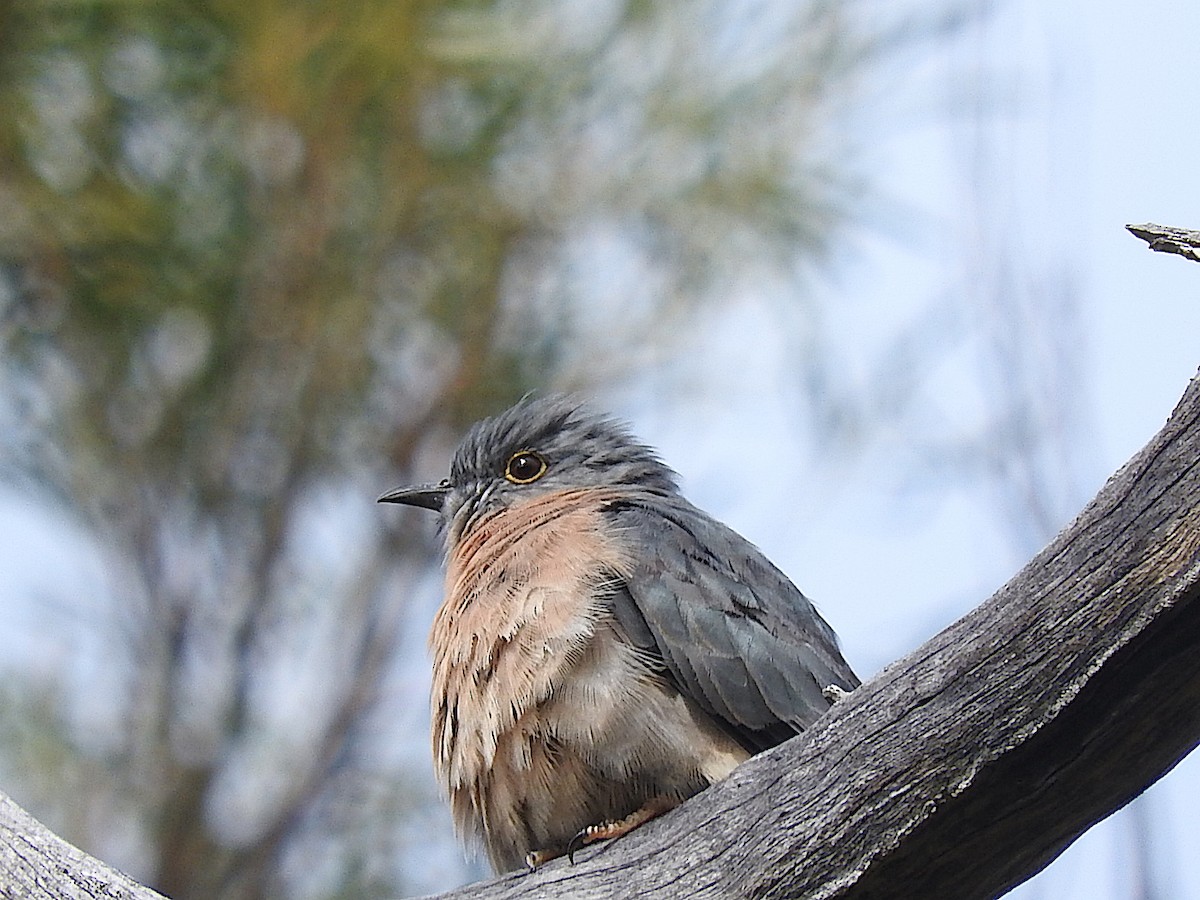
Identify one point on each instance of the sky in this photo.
(1142, 316)
(1094, 128)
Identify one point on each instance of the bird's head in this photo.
(538, 446)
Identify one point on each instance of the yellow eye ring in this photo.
(525, 466)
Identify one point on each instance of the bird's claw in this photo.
(582, 838)
(535, 859)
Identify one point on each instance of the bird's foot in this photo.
(833, 693)
(606, 831)
(534, 859)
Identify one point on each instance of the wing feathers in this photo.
(734, 634)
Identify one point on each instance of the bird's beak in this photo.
(427, 496)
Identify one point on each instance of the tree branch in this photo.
(958, 771)
(1169, 240)
(35, 864)
(964, 768)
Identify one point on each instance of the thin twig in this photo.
(1169, 240)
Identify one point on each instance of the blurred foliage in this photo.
(256, 258)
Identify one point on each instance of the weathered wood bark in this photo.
(35, 864)
(958, 771)
(964, 768)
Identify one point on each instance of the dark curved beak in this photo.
(426, 496)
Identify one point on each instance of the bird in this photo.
(604, 649)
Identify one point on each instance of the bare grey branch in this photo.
(36, 864)
(958, 771)
(1165, 239)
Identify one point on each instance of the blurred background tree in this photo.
(260, 261)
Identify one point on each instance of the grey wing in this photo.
(734, 634)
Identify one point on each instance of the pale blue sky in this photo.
(1101, 132)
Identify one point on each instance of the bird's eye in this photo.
(525, 466)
